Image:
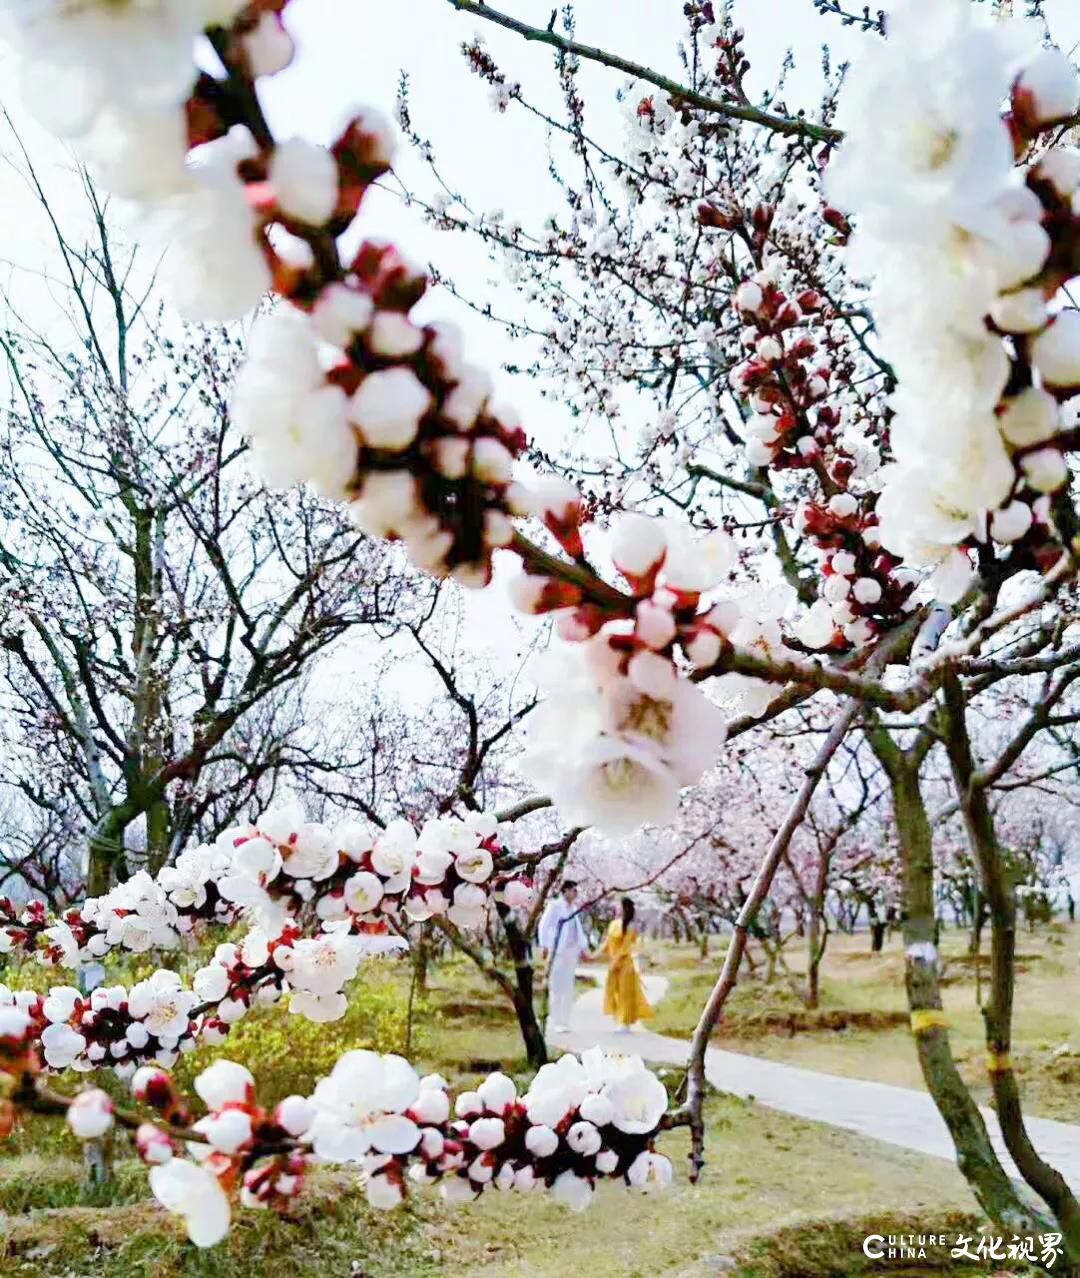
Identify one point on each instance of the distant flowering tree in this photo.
(133, 719)
(859, 345)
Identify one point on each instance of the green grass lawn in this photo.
(765, 1173)
(863, 993)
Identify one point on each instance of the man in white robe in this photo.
(562, 938)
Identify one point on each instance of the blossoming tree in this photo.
(876, 353)
(130, 527)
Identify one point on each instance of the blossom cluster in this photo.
(640, 692)
(623, 729)
(792, 425)
(582, 1120)
(780, 377)
(747, 225)
(630, 299)
(322, 898)
(864, 587)
(387, 415)
(123, 82)
(968, 252)
(342, 389)
(276, 870)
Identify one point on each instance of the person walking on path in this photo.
(562, 938)
(624, 994)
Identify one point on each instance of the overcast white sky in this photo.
(352, 53)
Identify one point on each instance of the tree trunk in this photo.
(980, 911)
(975, 1154)
(817, 933)
(1000, 897)
(158, 835)
(812, 997)
(524, 990)
(770, 962)
(105, 851)
(421, 958)
(531, 1034)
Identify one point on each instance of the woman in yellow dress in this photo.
(624, 995)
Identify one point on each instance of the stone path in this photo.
(897, 1115)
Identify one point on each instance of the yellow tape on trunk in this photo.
(927, 1019)
(998, 1062)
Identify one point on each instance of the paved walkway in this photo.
(898, 1115)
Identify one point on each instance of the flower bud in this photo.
(468, 1105)
(487, 1133)
(432, 1105)
(90, 1114)
(541, 1141)
(305, 181)
(1056, 351)
(498, 1093)
(153, 1145)
(225, 1083)
(1046, 470)
(1030, 418)
(1048, 87)
(749, 298)
(1021, 312)
(638, 544)
(384, 1193)
(1011, 523)
(153, 1086)
(583, 1138)
(294, 1114)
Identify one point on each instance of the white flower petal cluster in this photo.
(320, 967)
(115, 75)
(297, 422)
(616, 1090)
(361, 1107)
(581, 1120)
(952, 235)
(926, 148)
(611, 755)
(124, 56)
(163, 1005)
(143, 913)
(324, 898)
(621, 731)
(216, 266)
(415, 439)
(283, 860)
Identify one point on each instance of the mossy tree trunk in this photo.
(1000, 897)
(975, 1154)
(980, 1165)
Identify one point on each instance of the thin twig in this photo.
(695, 1095)
(790, 126)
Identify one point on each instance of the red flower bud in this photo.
(393, 283)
